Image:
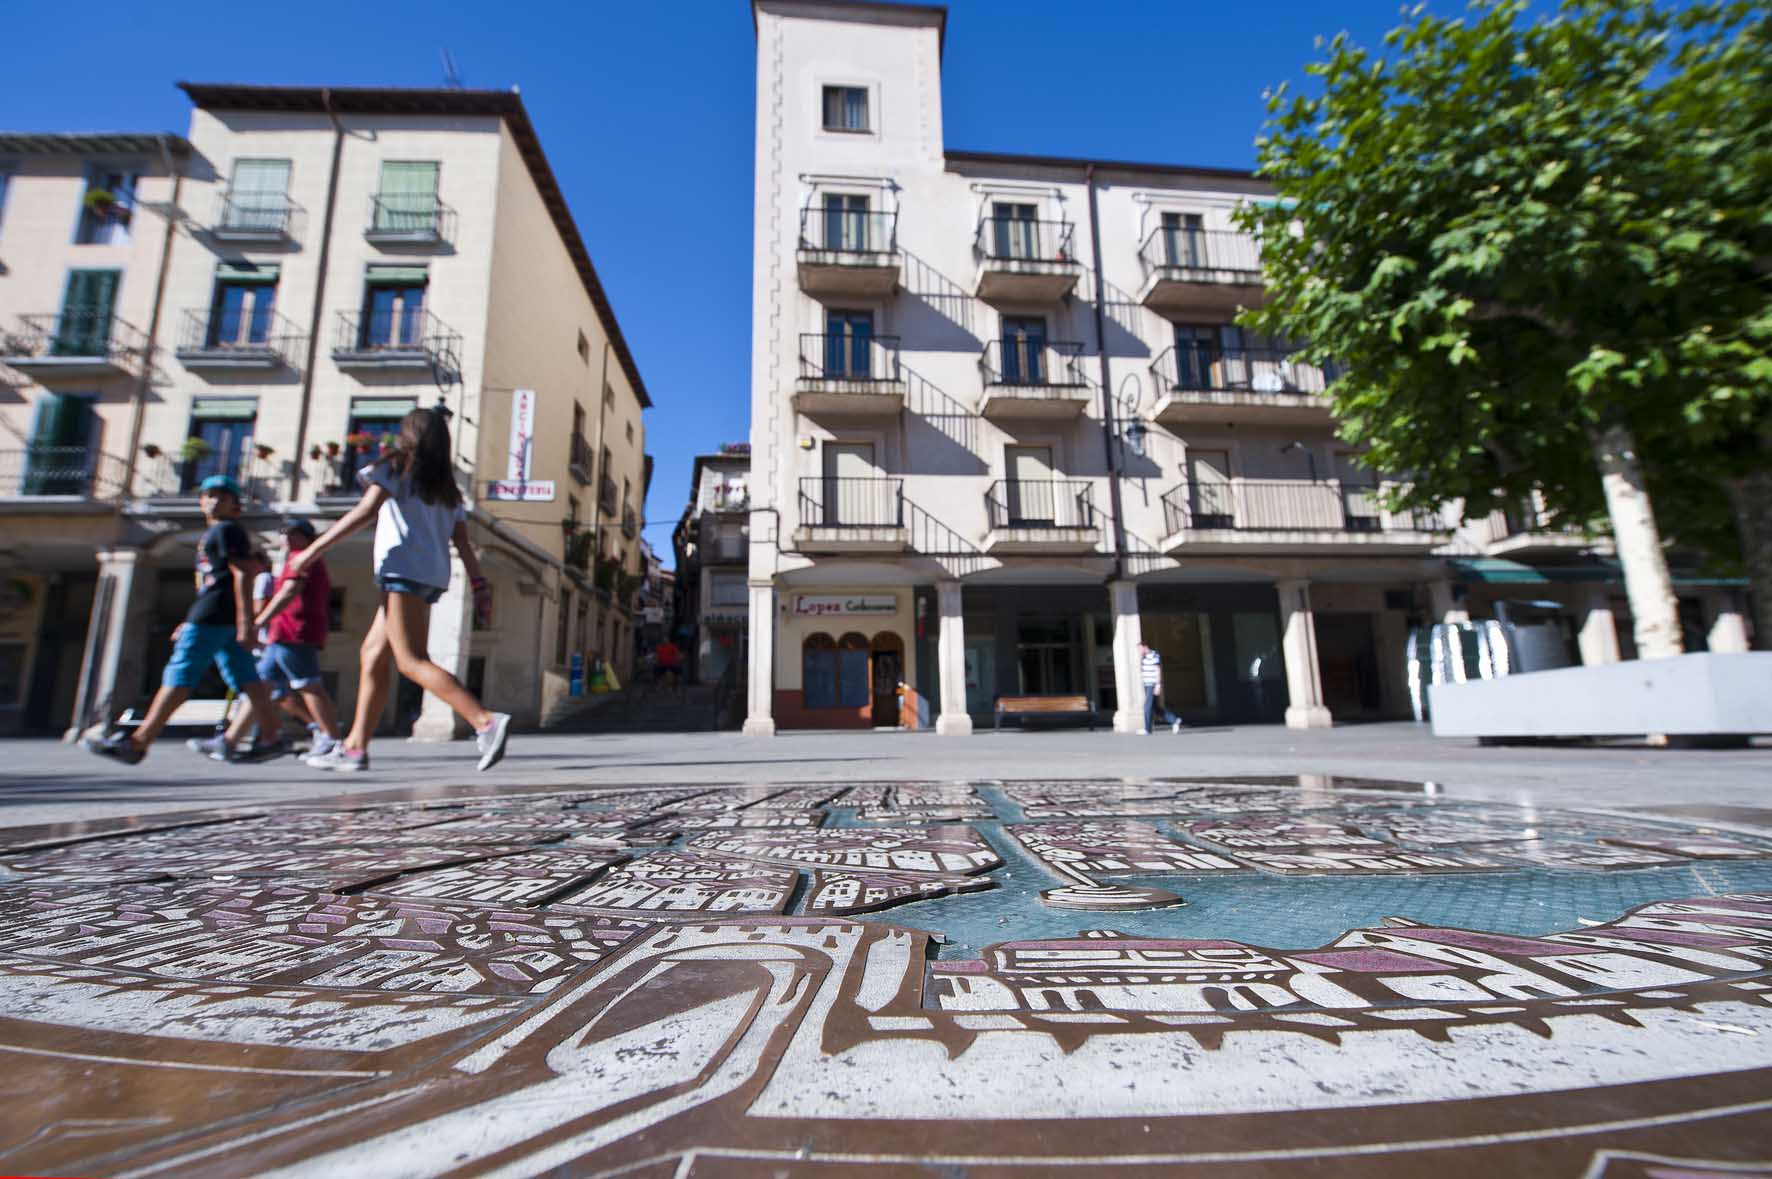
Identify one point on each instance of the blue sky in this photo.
(645, 111)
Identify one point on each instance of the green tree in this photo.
(1537, 248)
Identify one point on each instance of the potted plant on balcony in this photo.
(194, 449)
(361, 442)
(101, 202)
(151, 450)
(263, 451)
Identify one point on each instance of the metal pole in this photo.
(1108, 430)
(307, 372)
(138, 412)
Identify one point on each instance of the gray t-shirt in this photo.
(412, 536)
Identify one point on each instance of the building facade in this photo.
(336, 257)
(1004, 427)
(712, 547)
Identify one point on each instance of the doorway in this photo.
(850, 488)
(888, 674)
(1029, 493)
(1209, 484)
(1347, 655)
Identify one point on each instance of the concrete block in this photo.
(1697, 695)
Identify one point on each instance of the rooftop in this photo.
(90, 143)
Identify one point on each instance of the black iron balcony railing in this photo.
(254, 215)
(1287, 504)
(1025, 361)
(848, 231)
(1175, 247)
(171, 476)
(828, 356)
(392, 334)
(417, 217)
(60, 471)
(209, 335)
(606, 495)
(630, 523)
(1203, 367)
(1015, 239)
(1041, 503)
(827, 501)
(71, 335)
(579, 460)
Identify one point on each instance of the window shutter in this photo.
(401, 276)
(261, 177)
(235, 409)
(247, 272)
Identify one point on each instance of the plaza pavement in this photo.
(49, 782)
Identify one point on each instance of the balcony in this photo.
(1041, 517)
(254, 218)
(1028, 379)
(839, 516)
(606, 498)
(395, 340)
(36, 478)
(207, 340)
(848, 253)
(849, 375)
(71, 344)
(1208, 273)
(1022, 261)
(580, 461)
(1201, 382)
(409, 219)
(1291, 516)
(1526, 530)
(169, 483)
(630, 523)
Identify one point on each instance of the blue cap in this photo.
(222, 483)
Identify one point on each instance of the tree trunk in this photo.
(1654, 610)
(1751, 499)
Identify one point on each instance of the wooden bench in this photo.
(1045, 708)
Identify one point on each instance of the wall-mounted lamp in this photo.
(1133, 431)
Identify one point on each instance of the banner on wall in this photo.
(522, 435)
(830, 605)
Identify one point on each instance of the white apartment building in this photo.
(1004, 427)
(712, 547)
(336, 258)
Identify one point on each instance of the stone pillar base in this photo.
(759, 726)
(1126, 721)
(431, 726)
(1315, 717)
(956, 724)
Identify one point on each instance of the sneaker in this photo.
(215, 748)
(341, 760)
(491, 741)
(117, 747)
(322, 745)
(1176, 727)
(1144, 732)
(260, 750)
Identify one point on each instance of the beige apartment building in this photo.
(265, 298)
(1004, 427)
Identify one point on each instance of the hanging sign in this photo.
(825, 605)
(529, 491)
(522, 435)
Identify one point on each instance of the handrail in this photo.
(1203, 367)
(260, 214)
(1023, 361)
(401, 330)
(1018, 239)
(410, 216)
(42, 470)
(1255, 505)
(849, 231)
(1041, 503)
(829, 501)
(830, 356)
(71, 335)
(200, 334)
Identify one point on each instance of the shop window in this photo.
(834, 674)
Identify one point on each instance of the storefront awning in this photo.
(1500, 571)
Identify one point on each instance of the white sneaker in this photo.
(340, 760)
(491, 742)
(1144, 732)
(323, 745)
(1176, 727)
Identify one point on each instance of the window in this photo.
(584, 348)
(845, 108)
(240, 313)
(407, 201)
(84, 326)
(728, 589)
(106, 208)
(219, 440)
(258, 196)
(848, 344)
(1184, 239)
(845, 222)
(608, 395)
(63, 436)
(1024, 350)
(374, 422)
(394, 307)
(1015, 230)
(630, 431)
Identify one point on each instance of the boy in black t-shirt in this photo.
(217, 628)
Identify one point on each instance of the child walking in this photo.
(217, 628)
(411, 495)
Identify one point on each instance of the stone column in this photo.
(950, 649)
(759, 718)
(1128, 632)
(111, 670)
(1598, 637)
(452, 621)
(1728, 624)
(1304, 678)
(1443, 605)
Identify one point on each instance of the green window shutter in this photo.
(264, 177)
(84, 328)
(382, 407)
(400, 276)
(233, 409)
(247, 272)
(408, 197)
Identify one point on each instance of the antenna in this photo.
(451, 75)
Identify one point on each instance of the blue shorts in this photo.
(287, 666)
(197, 647)
(402, 585)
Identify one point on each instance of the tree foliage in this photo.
(1513, 233)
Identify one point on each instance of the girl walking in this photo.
(411, 495)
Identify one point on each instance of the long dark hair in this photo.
(422, 454)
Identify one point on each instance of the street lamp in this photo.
(1135, 431)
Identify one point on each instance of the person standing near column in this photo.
(1150, 671)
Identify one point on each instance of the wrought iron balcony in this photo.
(630, 523)
(849, 374)
(1032, 378)
(606, 498)
(409, 218)
(1292, 514)
(209, 339)
(1209, 271)
(71, 343)
(253, 217)
(1024, 260)
(581, 461)
(1036, 516)
(398, 339)
(1526, 529)
(848, 252)
(851, 515)
(38, 472)
(1200, 381)
(172, 481)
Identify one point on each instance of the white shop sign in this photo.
(524, 491)
(522, 437)
(824, 605)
